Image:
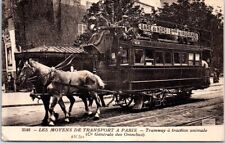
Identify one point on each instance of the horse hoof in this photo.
(56, 116)
(89, 113)
(44, 123)
(67, 120)
(51, 123)
(96, 118)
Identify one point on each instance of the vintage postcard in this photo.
(112, 70)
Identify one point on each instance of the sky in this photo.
(216, 4)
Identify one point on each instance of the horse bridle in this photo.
(36, 77)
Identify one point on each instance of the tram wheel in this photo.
(126, 101)
(186, 94)
(161, 100)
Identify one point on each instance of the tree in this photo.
(197, 15)
(110, 13)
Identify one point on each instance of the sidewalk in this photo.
(21, 99)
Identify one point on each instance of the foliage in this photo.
(113, 10)
(196, 14)
(110, 13)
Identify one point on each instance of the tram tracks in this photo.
(166, 116)
(178, 115)
(196, 121)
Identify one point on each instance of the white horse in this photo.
(66, 83)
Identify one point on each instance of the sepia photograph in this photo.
(112, 70)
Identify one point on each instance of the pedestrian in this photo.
(10, 81)
(216, 74)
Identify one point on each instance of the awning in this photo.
(51, 51)
(56, 49)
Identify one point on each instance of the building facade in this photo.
(32, 23)
(148, 5)
(167, 1)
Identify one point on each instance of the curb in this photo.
(37, 104)
(33, 104)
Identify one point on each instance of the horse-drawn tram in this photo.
(155, 62)
(146, 64)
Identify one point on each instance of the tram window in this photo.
(113, 58)
(191, 58)
(123, 56)
(139, 56)
(184, 58)
(159, 58)
(176, 59)
(149, 57)
(168, 58)
(197, 59)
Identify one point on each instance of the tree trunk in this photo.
(57, 13)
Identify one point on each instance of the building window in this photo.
(168, 58)
(81, 28)
(159, 58)
(9, 56)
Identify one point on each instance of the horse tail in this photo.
(100, 82)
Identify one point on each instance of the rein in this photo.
(32, 78)
(60, 64)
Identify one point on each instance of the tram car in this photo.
(158, 62)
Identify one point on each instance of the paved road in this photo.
(207, 102)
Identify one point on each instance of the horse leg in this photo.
(102, 100)
(86, 105)
(90, 99)
(72, 101)
(97, 101)
(51, 111)
(46, 102)
(63, 107)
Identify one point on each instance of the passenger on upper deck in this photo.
(125, 24)
(102, 21)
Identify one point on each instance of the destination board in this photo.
(168, 31)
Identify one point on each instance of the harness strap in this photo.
(84, 87)
(32, 78)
